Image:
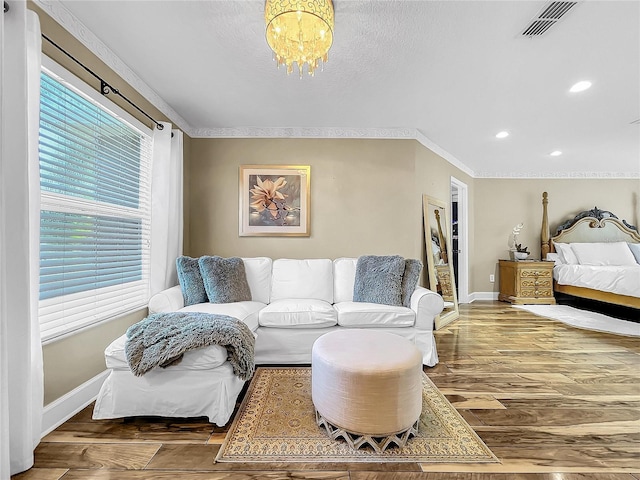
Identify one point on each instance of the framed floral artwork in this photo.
(274, 200)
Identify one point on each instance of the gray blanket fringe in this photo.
(161, 339)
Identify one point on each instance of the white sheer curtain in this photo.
(166, 207)
(21, 374)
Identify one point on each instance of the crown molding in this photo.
(560, 175)
(75, 27)
(438, 150)
(305, 132)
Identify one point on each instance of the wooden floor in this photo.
(552, 402)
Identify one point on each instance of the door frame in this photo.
(463, 237)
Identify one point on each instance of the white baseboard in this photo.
(483, 296)
(65, 407)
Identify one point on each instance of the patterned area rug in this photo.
(276, 423)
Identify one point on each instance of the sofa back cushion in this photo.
(312, 278)
(344, 275)
(258, 270)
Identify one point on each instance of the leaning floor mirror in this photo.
(439, 262)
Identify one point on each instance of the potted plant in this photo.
(517, 251)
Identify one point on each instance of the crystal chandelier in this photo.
(299, 31)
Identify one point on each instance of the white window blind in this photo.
(95, 211)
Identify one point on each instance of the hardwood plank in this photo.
(560, 436)
(409, 476)
(557, 416)
(488, 476)
(77, 432)
(116, 456)
(475, 402)
(173, 475)
(41, 474)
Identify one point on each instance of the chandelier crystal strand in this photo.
(299, 31)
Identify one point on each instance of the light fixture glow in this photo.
(556, 153)
(503, 134)
(299, 31)
(580, 86)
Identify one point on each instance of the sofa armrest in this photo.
(427, 304)
(169, 300)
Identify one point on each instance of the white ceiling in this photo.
(449, 73)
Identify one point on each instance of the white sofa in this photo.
(293, 302)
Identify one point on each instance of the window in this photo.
(95, 206)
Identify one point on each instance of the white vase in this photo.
(520, 255)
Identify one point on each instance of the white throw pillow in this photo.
(555, 258)
(566, 253)
(258, 271)
(312, 278)
(635, 249)
(344, 277)
(611, 253)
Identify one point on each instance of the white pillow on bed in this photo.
(612, 253)
(555, 258)
(565, 253)
(635, 249)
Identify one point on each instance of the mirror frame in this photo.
(435, 271)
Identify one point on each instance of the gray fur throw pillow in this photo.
(412, 269)
(225, 279)
(190, 281)
(379, 280)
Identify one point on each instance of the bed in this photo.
(596, 255)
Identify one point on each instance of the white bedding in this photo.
(622, 280)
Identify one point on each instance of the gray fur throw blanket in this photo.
(161, 339)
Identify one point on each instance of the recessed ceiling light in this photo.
(503, 134)
(556, 153)
(580, 86)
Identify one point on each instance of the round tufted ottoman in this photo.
(366, 387)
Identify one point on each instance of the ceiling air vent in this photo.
(549, 16)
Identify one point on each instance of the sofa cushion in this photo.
(225, 280)
(302, 279)
(379, 279)
(190, 280)
(298, 313)
(199, 359)
(344, 275)
(245, 311)
(360, 314)
(258, 270)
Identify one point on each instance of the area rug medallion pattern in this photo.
(276, 423)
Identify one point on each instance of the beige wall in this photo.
(366, 196)
(500, 204)
(73, 360)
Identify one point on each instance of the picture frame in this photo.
(275, 201)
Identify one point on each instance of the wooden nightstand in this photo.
(526, 281)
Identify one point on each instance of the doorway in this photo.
(460, 237)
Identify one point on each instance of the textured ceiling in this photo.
(449, 73)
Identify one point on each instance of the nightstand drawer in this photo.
(532, 292)
(536, 282)
(535, 273)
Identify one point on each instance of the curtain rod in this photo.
(105, 88)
